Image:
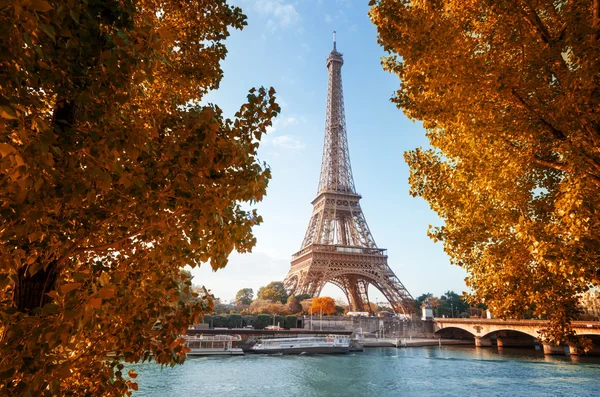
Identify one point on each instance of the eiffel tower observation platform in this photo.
(338, 247)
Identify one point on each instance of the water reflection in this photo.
(449, 371)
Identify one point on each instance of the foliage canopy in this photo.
(244, 296)
(112, 177)
(323, 304)
(274, 291)
(509, 93)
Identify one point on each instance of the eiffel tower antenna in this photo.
(338, 246)
(334, 40)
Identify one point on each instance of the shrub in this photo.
(249, 320)
(280, 320)
(262, 320)
(220, 322)
(290, 321)
(235, 321)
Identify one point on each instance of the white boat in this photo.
(213, 345)
(303, 345)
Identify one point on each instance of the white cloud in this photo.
(287, 142)
(280, 15)
(328, 18)
(282, 122)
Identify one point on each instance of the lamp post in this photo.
(452, 310)
(321, 319)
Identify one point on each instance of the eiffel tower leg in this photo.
(363, 287)
(399, 298)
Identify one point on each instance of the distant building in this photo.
(590, 302)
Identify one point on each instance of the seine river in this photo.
(450, 371)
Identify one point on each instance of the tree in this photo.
(112, 178)
(244, 297)
(322, 304)
(422, 298)
(274, 291)
(509, 94)
(293, 305)
(455, 303)
(302, 297)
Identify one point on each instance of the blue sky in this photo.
(285, 46)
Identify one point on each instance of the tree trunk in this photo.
(30, 290)
(596, 19)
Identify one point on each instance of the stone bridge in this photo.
(511, 333)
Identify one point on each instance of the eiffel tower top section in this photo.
(336, 172)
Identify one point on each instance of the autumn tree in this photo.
(293, 305)
(509, 93)
(244, 296)
(274, 291)
(323, 304)
(112, 178)
(260, 306)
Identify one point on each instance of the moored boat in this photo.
(303, 345)
(212, 345)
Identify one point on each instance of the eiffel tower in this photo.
(338, 246)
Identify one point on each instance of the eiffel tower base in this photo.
(353, 270)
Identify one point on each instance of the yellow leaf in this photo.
(132, 374)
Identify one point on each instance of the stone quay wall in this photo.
(382, 327)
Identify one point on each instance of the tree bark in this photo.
(596, 19)
(31, 289)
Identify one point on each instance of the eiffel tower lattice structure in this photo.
(338, 247)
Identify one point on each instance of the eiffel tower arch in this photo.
(338, 247)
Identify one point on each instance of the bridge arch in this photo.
(505, 331)
(454, 332)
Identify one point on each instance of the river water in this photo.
(450, 371)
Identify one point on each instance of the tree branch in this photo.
(534, 20)
(118, 243)
(552, 164)
(555, 132)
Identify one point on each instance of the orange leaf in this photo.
(106, 292)
(96, 302)
(65, 289)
